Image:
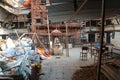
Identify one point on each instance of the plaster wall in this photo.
(116, 39)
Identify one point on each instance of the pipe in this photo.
(101, 40)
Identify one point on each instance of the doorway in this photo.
(91, 37)
(108, 40)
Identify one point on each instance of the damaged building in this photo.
(59, 40)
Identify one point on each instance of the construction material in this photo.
(112, 69)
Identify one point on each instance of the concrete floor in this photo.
(62, 67)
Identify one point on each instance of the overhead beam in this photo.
(72, 17)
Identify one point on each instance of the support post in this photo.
(48, 30)
(71, 18)
(67, 49)
(101, 40)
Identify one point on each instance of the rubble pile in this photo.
(18, 56)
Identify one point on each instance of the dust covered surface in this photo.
(87, 73)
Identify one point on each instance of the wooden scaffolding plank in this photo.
(110, 72)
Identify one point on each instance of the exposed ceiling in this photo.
(61, 10)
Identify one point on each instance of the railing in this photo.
(116, 50)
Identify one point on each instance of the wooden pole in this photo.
(66, 24)
(67, 49)
(48, 31)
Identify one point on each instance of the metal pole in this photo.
(101, 39)
(67, 50)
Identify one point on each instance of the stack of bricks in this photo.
(38, 14)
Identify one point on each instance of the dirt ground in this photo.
(87, 73)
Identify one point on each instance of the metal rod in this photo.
(101, 40)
